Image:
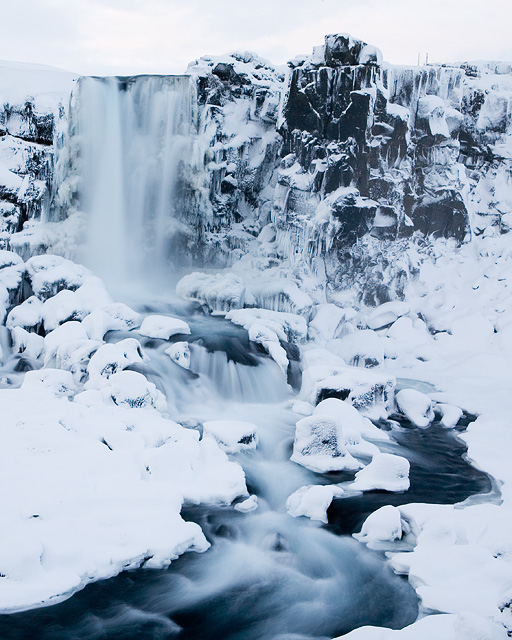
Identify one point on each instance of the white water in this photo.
(136, 143)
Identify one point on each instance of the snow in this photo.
(312, 501)
(163, 327)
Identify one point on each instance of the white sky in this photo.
(161, 36)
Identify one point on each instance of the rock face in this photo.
(333, 164)
(33, 102)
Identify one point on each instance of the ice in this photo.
(179, 352)
(386, 472)
(416, 406)
(312, 501)
(383, 525)
(163, 327)
(233, 436)
(320, 446)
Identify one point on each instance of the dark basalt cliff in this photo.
(339, 158)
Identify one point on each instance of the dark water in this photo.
(267, 576)
(439, 475)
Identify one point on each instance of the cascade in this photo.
(137, 160)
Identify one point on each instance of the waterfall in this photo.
(138, 159)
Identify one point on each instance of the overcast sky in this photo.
(161, 36)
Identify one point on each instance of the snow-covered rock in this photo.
(312, 501)
(415, 406)
(179, 352)
(386, 472)
(320, 445)
(163, 327)
(233, 436)
(383, 525)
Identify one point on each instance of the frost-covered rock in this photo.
(233, 436)
(386, 314)
(320, 445)
(312, 501)
(163, 327)
(415, 406)
(386, 472)
(326, 322)
(71, 331)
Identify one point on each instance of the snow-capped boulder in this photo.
(58, 382)
(29, 344)
(383, 525)
(163, 327)
(415, 406)
(360, 349)
(27, 315)
(312, 501)
(366, 389)
(320, 445)
(233, 436)
(179, 352)
(111, 358)
(131, 389)
(386, 472)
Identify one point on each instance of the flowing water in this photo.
(267, 575)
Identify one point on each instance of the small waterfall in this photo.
(138, 157)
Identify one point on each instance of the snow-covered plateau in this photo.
(247, 311)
